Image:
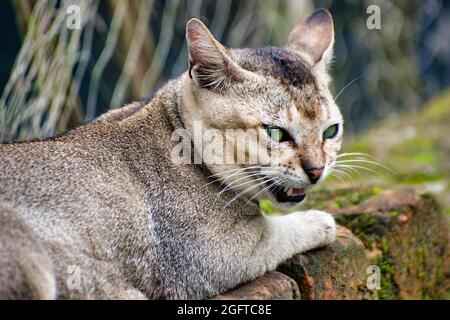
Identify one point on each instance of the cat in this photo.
(103, 211)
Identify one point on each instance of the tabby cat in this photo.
(104, 211)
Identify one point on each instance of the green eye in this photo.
(277, 134)
(331, 132)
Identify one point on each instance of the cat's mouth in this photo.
(285, 194)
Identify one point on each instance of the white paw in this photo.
(321, 225)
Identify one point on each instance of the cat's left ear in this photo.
(314, 38)
(210, 64)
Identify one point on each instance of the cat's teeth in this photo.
(286, 188)
(289, 192)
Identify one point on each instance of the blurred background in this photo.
(391, 83)
(53, 78)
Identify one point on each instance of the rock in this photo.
(335, 272)
(406, 236)
(402, 233)
(271, 286)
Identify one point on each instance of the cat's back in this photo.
(74, 173)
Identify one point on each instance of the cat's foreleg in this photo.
(284, 236)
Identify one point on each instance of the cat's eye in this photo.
(331, 131)
(278, 134)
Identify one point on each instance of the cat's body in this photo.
(104, 212)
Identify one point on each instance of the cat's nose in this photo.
(313, 173)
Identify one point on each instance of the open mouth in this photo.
(288, 194)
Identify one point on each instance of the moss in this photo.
(371, 241)
(361, 226)
(319, 205)
(384, 246)
(266, 207)
(430, 274)
(394, 213)
(354, 197)
(376, 191)
(360, 197)
(421, 261)
(388, 290)
(326, 198)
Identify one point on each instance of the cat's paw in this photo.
(321, 225)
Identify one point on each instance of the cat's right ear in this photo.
(210, 65)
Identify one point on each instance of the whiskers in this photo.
(346, 86)
(250, 179)
(253, 181)
(267, 180)
(349, 164)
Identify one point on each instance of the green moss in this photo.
(429, 270)
(323, 198)
(387, 286)
(394, 214)
(421, 261)
(388, 290)
(266, 206)
(371, 241)
(360, 226)
(369, 229)
(376, 191)
(384, 246)
(354, 197)
(340, 203)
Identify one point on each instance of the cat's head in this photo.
(281, 94)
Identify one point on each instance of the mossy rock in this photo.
(335, 272)
(406, 236)
(403, 232)
(271, 286)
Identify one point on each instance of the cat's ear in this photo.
(314, 37)
(210, 65)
